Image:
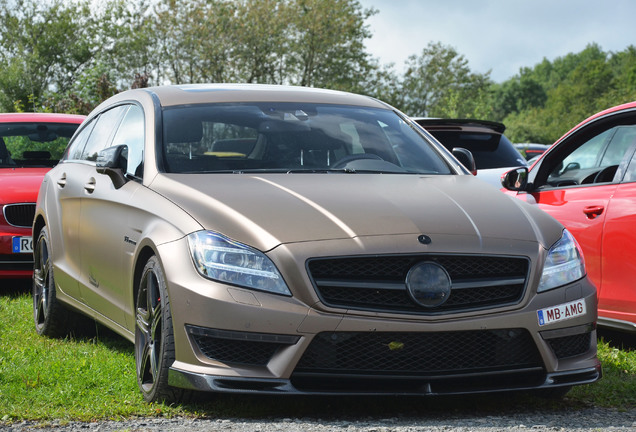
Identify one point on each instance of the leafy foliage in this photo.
(439, 83)
(69, 55)
(542, 103)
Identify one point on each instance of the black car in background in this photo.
(493, 152)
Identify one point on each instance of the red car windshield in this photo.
(33, 144)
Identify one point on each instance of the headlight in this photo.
(219, 258)
(564, 263)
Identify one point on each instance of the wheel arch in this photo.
(38, 224)
(142, 258)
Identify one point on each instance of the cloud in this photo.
(499, 35)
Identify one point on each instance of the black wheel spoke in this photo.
(40, 281)
(50, 316)
(154, 337)
(149, 318)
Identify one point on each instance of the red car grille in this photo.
(19, 215)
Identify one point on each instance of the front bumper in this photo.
(14, 265)
(422, 386)
(229, 339)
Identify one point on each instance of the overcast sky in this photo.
(499, 35)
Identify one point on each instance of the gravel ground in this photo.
(576, 420)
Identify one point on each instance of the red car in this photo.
(587, 181)
(30, 145)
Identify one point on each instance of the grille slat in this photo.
(19, 215)
(378, 283)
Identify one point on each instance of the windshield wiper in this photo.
(320, 171)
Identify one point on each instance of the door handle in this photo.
(61, 182)
(592, 212)
(90, 186)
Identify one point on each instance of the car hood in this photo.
(20, 185)
(492, 176)
(270, 209)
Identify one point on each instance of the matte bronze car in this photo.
(276, 239)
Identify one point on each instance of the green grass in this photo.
(88, 379)
(64, 378)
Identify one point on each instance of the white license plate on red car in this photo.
(561, 312)
(22, 245)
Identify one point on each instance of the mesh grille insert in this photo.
(246, 348)
(435, 353)
(570, 346)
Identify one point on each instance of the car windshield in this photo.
(33, 144)
(490, 150)
(293, 137)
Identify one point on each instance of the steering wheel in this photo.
(341, 163)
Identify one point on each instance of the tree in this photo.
(522, 92)
(42, 47)
(439, 82)
(560, 94)
(327, 48)
(64, 56)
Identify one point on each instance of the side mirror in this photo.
(515, 180)
(466, 158)
(113, 162)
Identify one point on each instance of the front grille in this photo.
(254, 349)
(420, 353)
(19, 215)
(570, 346)
(378, 283)
(408, 359)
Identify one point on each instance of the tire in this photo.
(50, 316)
(154, 337)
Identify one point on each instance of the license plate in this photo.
(22, 245)
(561, 312)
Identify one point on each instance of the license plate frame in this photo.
(22, 244)
(561, 312)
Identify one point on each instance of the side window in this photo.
(102, 133)
(596, 160)
(76, 147)
(586, 156)
(630, 174)
(131, 133)
(622, 140)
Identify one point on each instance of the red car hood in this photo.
(20, 185)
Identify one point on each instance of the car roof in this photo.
(172, 95)
(446, 123)
(40, 117)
